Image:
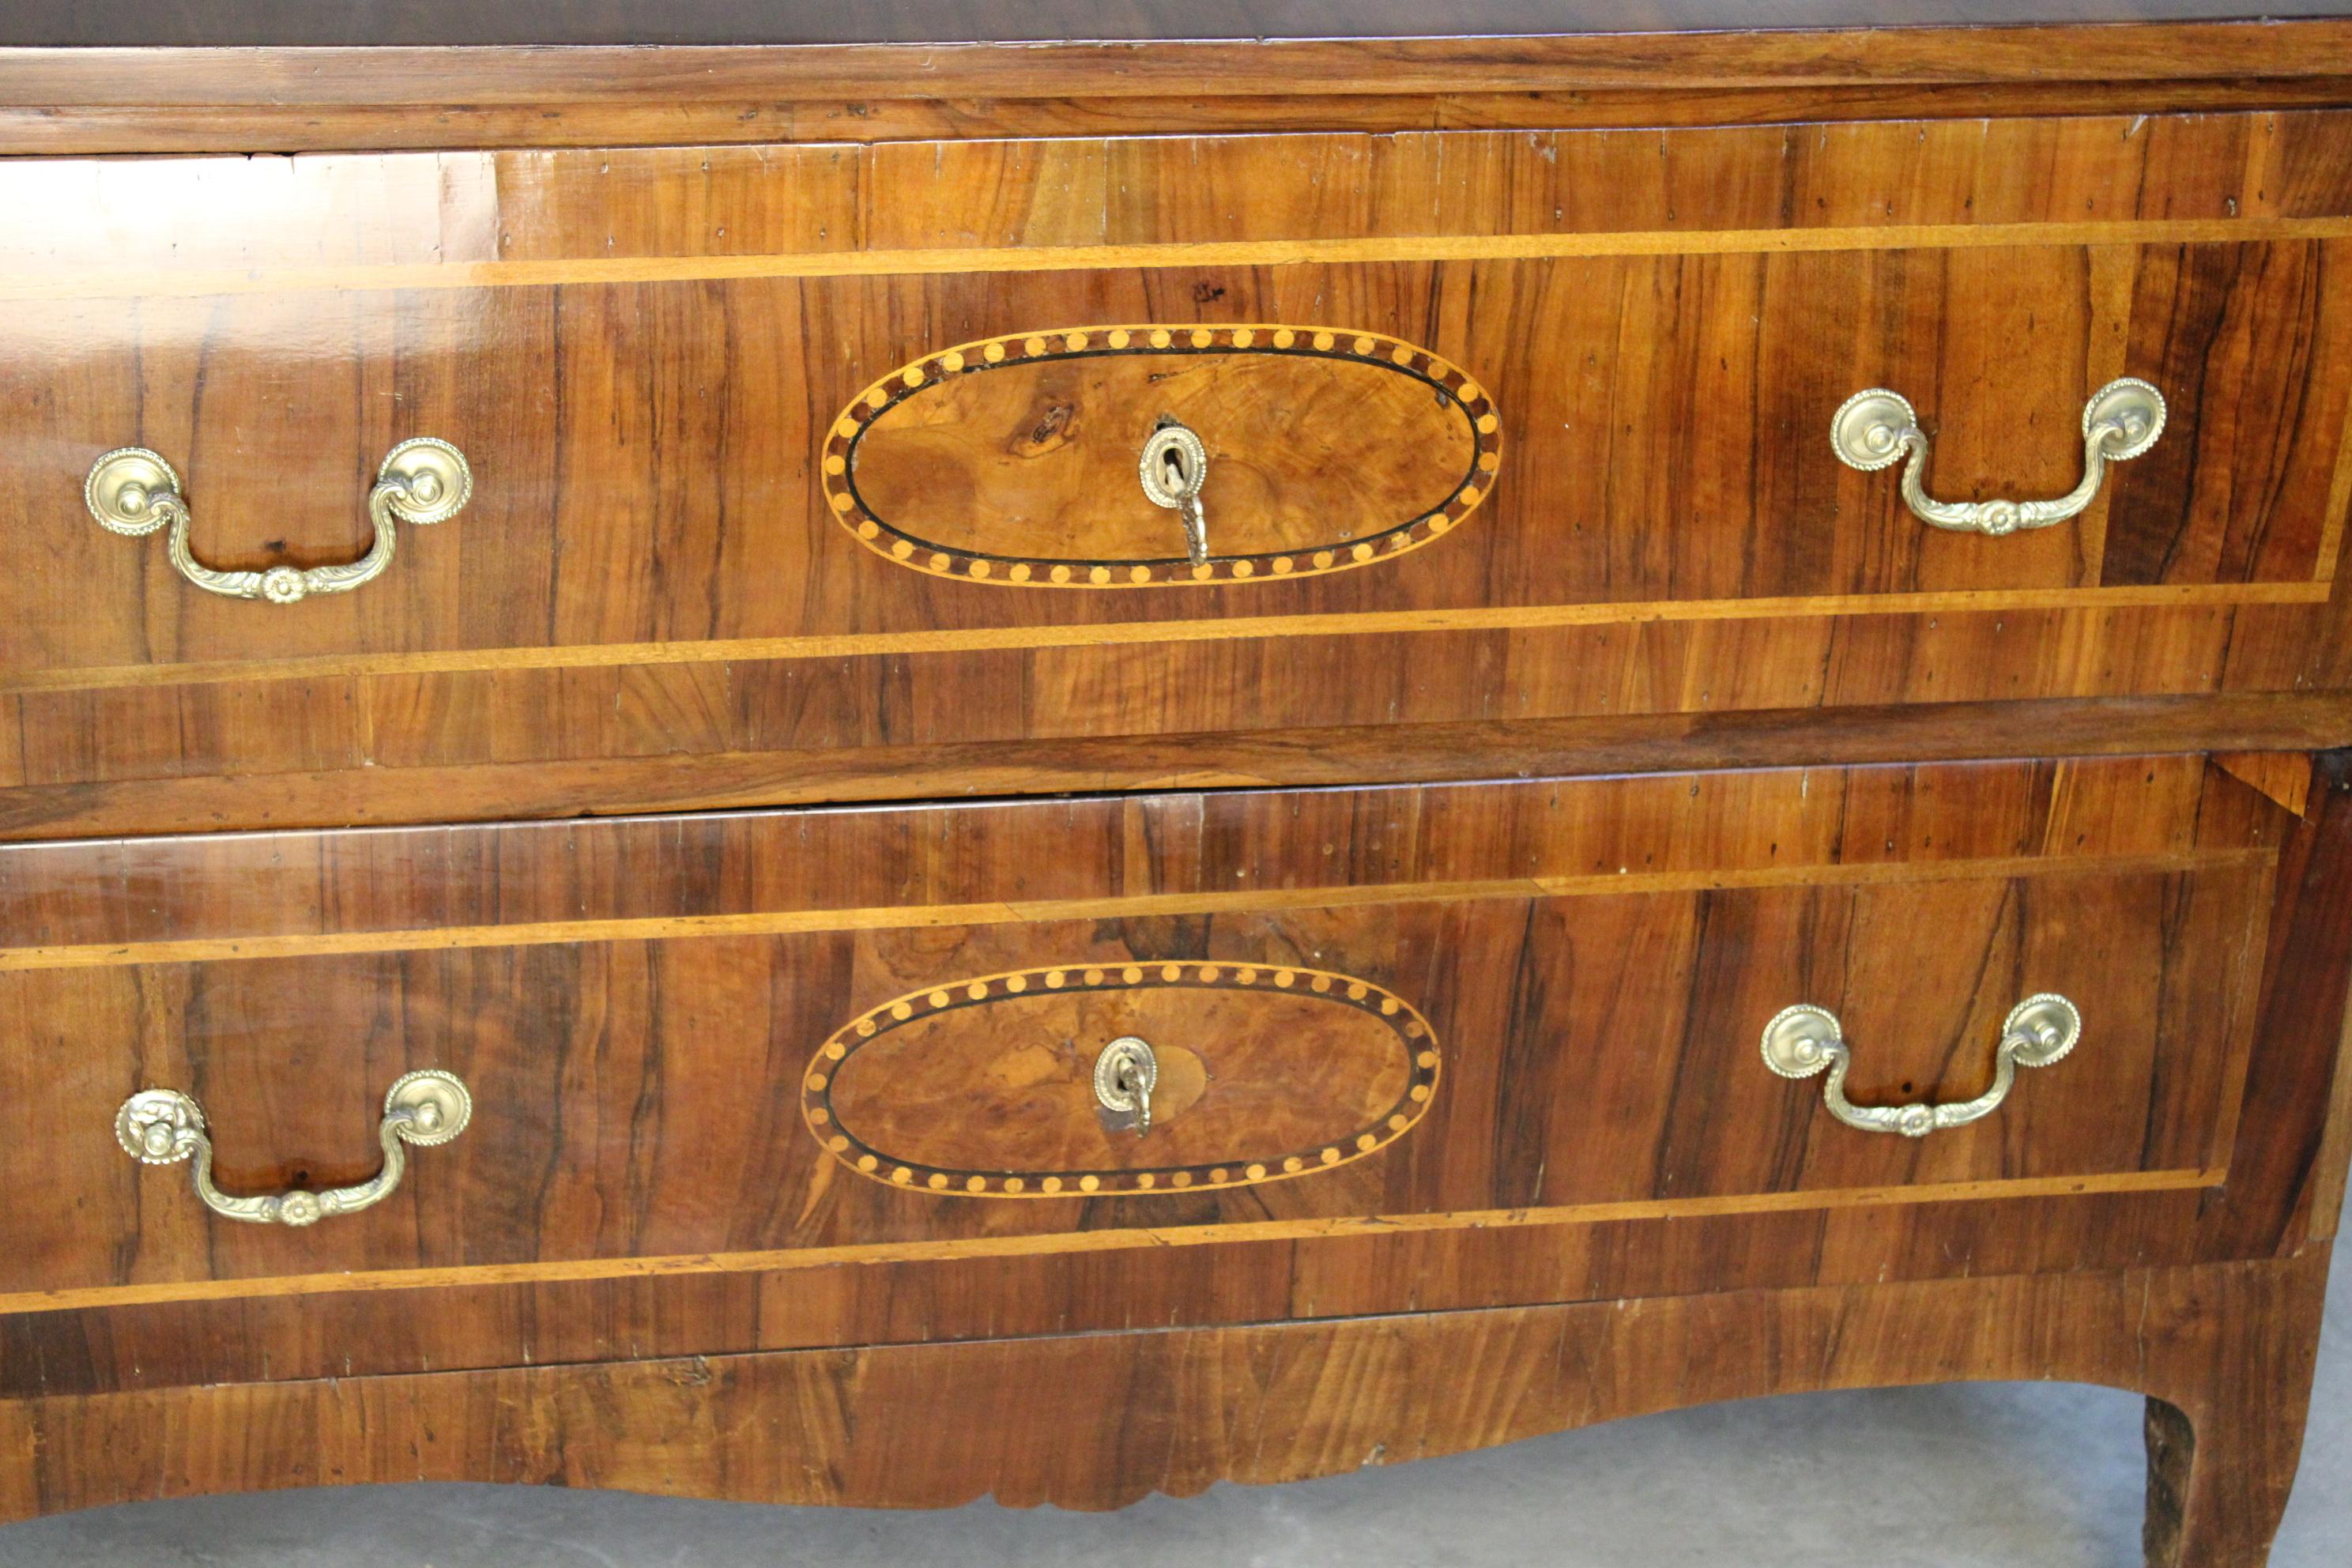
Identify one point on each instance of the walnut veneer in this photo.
(1540, 708)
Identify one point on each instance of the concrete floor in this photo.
(1964, 1476)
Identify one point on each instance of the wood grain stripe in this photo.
(593, 655)
(786, 1259)
(2336, 1145)
(543, 273)
(779, 923)
(2339, 502)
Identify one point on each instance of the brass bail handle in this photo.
(1875, 428)
(132, 490)
(1804, 1039)
(1174, 465)
(162, 1127)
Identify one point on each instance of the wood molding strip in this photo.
(584, 270)
(1111, 634)
(323, 77)
(2224, 1351)
(779, 1260)
(66, 131)
(1338, 756)
(781, 922)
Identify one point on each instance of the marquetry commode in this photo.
(848, 766)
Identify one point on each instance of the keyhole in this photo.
(1173, 462)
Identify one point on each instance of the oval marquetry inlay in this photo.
(986, 1086)
(1013, 460)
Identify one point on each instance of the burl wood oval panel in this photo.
(986, 1086)
(1014, 459)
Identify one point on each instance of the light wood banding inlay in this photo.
(788, 1260)
(178, 283)
(1130, 634)
(1135, 906)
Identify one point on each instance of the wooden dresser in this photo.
(866, 762)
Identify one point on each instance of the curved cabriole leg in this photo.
(2219, 1470)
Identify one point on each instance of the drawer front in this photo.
(802, 1036)
(647, 469)
(691, 531)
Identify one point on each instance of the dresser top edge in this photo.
(167, 98)
(296, 23)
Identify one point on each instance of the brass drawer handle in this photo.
(1125, 1075)
(1874, 428)
(133, 490)
(162, 1127)
(1174, 467)
(1802, 1040)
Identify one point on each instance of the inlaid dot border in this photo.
(1459, 392)
(1249, 1168)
